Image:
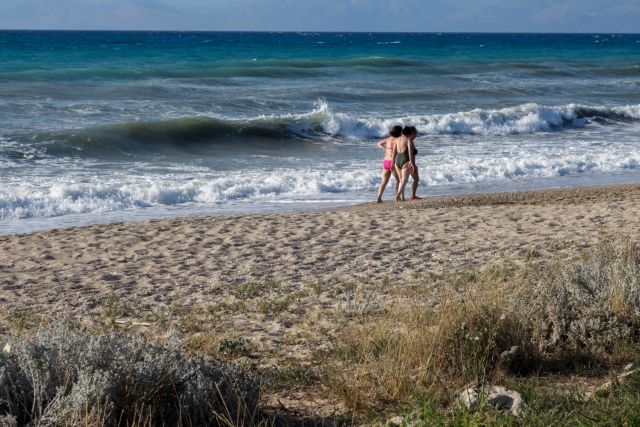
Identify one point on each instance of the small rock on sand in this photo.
(395, 422)
(497, 396)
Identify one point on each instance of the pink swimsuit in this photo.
(388, 164)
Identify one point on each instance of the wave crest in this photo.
(525, 118)
(319, 124)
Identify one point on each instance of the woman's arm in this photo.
(383, 144)
(412, 158)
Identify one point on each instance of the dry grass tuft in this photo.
(548, 310)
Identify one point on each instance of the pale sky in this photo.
(326, 15)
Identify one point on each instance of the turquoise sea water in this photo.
(123, 125)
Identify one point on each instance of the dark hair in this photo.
(409, 130)
(396, 131)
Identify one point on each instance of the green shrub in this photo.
(63, 376)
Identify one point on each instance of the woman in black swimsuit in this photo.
(405, 162)
(411, 132)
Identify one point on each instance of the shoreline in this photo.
(184, 260)
(26, 226)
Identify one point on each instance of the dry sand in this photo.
(282, 280)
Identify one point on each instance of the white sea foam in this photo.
(520, 119)
(71, 195)
(86, 111)
(486, 169)
(62, 198)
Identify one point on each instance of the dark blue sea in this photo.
(108, 126)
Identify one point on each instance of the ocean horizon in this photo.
(103, 30)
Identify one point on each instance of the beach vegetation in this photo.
(233, 306)
(254, 289)
(319, 286)
(114, 308)
(272, 307)
(248, 290)
(191, 318)
(65, 375)
(23, 320)
(219, 347)
(290, 374)
(531, 253)
(233, 347)
(532, 319)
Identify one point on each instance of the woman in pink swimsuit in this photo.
(388, 168)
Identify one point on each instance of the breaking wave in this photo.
(323, 123)
(521, 119)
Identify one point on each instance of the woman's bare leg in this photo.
(398, 172)
(394, 172)
(403, 183)
(386, 174)
(416, 181)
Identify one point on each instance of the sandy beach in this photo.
(192, 260)
(304, 260)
